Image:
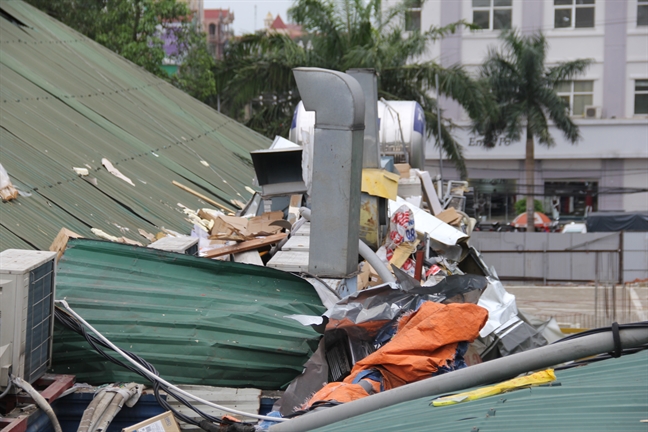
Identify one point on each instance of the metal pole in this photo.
(596, 285)
(440, 140)
(480, 374)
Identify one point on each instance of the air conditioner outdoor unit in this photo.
(592, 112)
(27, 281)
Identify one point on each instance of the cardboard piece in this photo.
(450, 216)
(403, 252)
(403, 169)
(164, 422)
(240, 229)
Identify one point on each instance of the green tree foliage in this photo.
(256, 84)
(133, 29)
(524, 91)
(520, 206)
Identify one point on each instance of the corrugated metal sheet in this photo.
(568, 257)
(66, 101)
(610, 395)
(198, 321)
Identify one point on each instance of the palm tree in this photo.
(341, 35)
(524, 90)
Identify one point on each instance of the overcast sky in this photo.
(244, 21)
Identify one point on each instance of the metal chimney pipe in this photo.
(369, 83)
(338, 102)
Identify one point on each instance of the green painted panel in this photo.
(610, 395)
(198, 321)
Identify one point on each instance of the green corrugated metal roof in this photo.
(66, 101)
(198, 321)
(611, 395)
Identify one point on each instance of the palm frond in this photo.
(567, 70)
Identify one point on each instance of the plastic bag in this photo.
(4, 178)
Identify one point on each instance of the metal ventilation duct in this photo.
(339, 106)
(369, 83)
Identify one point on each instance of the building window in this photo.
(571, 198)
(642, 13)
(492, 14)
(641, 97)
(413, 16)
(212, 29)
(577, 95)
(574, 13)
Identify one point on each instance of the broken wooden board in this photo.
(430, 193)
(246, 245)
(60, 242)
(201, 196)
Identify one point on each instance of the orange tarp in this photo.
(425, 341)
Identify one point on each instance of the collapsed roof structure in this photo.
(97, 145)
(91, 140)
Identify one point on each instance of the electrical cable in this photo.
(6, 391)
(39, 400)
(74, 325)
(133, 359)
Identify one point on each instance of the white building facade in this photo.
(608, 168)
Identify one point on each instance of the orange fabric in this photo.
(425, 341)
(340, 392)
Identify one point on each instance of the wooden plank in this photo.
(430, 193)
(201, 196)
(246, 245)
(290, 261)
(60, 242)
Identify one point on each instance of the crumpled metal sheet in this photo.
(365, 312)
(198, 321)
(500, 304)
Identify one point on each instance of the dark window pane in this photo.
(503, 2)
(563, 2)
(641, 104)
(584, 1)
(642, 15)
(562, 18)
(481, 18)
(501, 19)
(641, 85)
(563, 87)
(413, 21)
(584, 17)
(481, 3)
